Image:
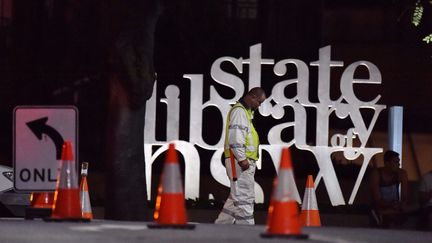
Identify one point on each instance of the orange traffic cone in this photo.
(42, 200)
(284, 221)
(84, 194)
(309, 215)
(40, 205)
(66, 197)
(170, 209)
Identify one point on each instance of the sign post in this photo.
(395, 130)
(39, 133)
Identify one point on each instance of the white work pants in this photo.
(239, 207)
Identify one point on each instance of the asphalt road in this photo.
(16, 230)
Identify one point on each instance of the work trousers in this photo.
(239, 207)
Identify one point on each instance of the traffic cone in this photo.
(284, 221)
(170, 209)
(309, 215)
(66, 197)
(42, 200)
(40, 205)
(84, 193)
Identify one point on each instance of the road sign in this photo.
(6, 178)
(39, 133)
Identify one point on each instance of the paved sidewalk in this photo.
(38, 231)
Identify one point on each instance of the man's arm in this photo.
(237, 132)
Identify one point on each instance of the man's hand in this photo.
(244, 164)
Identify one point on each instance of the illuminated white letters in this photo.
(347, 106)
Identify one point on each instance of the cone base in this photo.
(284, 219)
(66, 220)
(32, 212)
(171, 226)
(87, 216)
(310, 218)
(67, 204)
(286, 236)
(172, 210)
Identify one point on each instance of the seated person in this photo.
(388, 205)
(425, 199)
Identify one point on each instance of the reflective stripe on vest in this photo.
(252, 139)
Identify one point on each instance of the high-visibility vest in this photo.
(252, 139)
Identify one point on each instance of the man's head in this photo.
(255, 97)
(391, 159)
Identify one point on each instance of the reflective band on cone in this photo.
(66, 197)
(309, 215)
(172, 210)
(85, 197)
(284, 219)
(170, 205)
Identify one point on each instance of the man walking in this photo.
(241, 154)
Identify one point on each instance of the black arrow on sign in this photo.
(39, 127)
